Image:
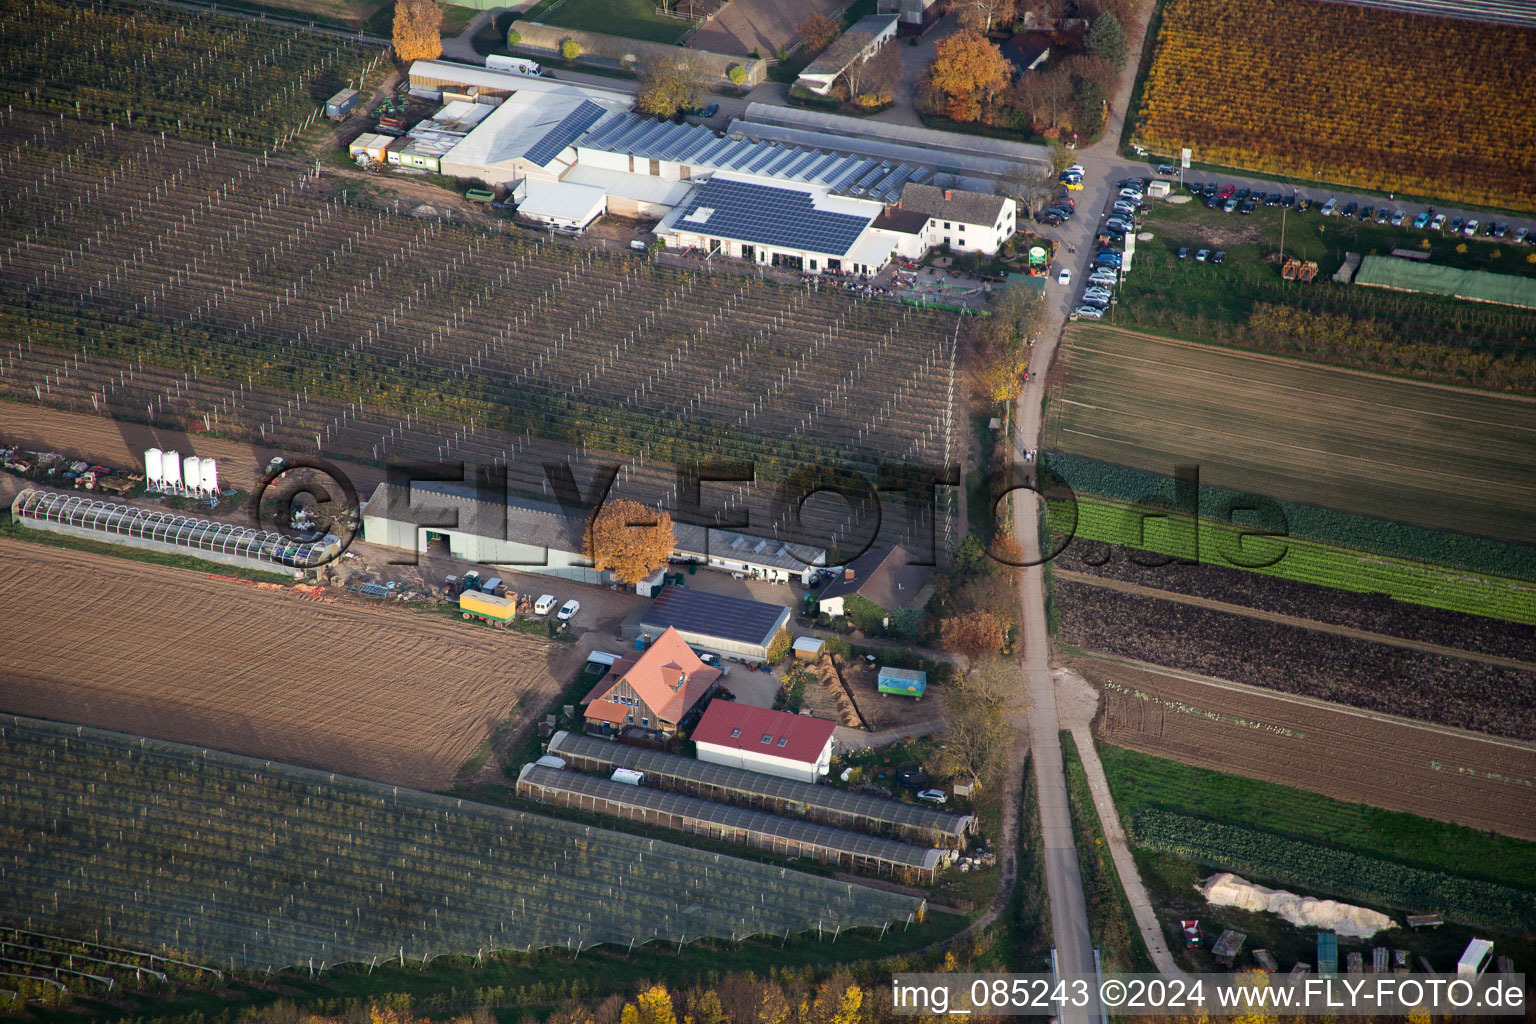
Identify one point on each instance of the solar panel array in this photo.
(730, 618)
(702, 150)
(654, 762)
(554, 781)
(767, 215)
(566, 132)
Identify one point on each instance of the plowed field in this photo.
(386, 694)
(1482, 782)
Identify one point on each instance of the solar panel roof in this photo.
(767, 215)
(730, 618)
(566, 132)
(654, 762)
(825, 836)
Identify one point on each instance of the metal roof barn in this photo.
(732, 627)
(734, 824)
(169, 532)
(914, 823)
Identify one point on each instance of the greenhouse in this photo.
(168, 532)
(763, 831)
(913, 823)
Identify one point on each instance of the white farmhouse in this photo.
(759, 740)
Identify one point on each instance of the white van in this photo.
(543, 604)
(516, 65)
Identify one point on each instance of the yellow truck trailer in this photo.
(498, 611)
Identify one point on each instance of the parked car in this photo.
(1195, 187)
(543, 604)
(1521, 234)
(1501, 230)
(1471, 228)
(1381, 215)
(1487, 229)
(1103, 279)
(1288, 201)
(1456, 223)
(1202, 255)
(1165, 170)
(1366, 211)
(1327, 210)
(1074, 184)
(1087, 313)
(1065, 277)
(1096, 303)
(1209, 190)
(1226, 192)
(1230, 206)
(1438, 222)
(1421, 221)
(1218, 256)
(1242, 194)
(1397, 218)
(1273, 199)
(1183, 254)
(1248, 206)
(933, 796)
(1350, 208)
(568, 609)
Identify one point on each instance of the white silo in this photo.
(152, 463)
(170, 471)
(192, 473)
(209, 476)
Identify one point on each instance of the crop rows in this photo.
(234, 293)
(1347, 94)
(1269, 857)
(256, 864)
(1291, 659)
(1368, 611)
(233, 80)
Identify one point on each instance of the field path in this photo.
(1139, 590)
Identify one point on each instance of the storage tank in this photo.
(170, 470)
(152, 463)
(191, 472)
(208, 474)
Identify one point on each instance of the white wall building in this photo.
(966, 221)
(772, 742)
(859, 43)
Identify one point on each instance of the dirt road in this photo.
(383, 693)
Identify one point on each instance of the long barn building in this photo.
(875, 854)
(837, 808)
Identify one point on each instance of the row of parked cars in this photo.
(1104, 271)
(1232, 199)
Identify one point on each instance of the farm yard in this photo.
(248, 865)
(248, 300)
(1333, 92)
(1442, 458)
(1428, 687)
(177, 655)
(1245, 303)
(1372, 611)
(229, 80)
(1187, 822)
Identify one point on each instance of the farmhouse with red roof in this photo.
(653, 690)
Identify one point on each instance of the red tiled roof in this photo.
(805, 736)
(668, 677)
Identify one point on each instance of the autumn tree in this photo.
(984, 15)
(707, 1009)
(671, 85)
(570, 49)
(652, 1006)
(972, 634)
(968, 72)
(974, 741)
(629, 539)
(778, 647)
(418, 30)
(1106, 39)
(817, 32)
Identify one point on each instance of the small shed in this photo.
(808, 648)
(372, 145)
(652, 584)
(341, 104)
(1475, 958)
(964, 785)
(905, 682)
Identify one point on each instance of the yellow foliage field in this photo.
(1349, 95)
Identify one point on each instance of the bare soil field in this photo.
(398, 696)
(1437, 456)
(1478, 781)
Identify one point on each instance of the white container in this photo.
(192, 473)
(153, 460)
(208, 476)
(170, 470)
(628, 776)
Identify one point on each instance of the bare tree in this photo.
(985, 15)
(856, 73)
